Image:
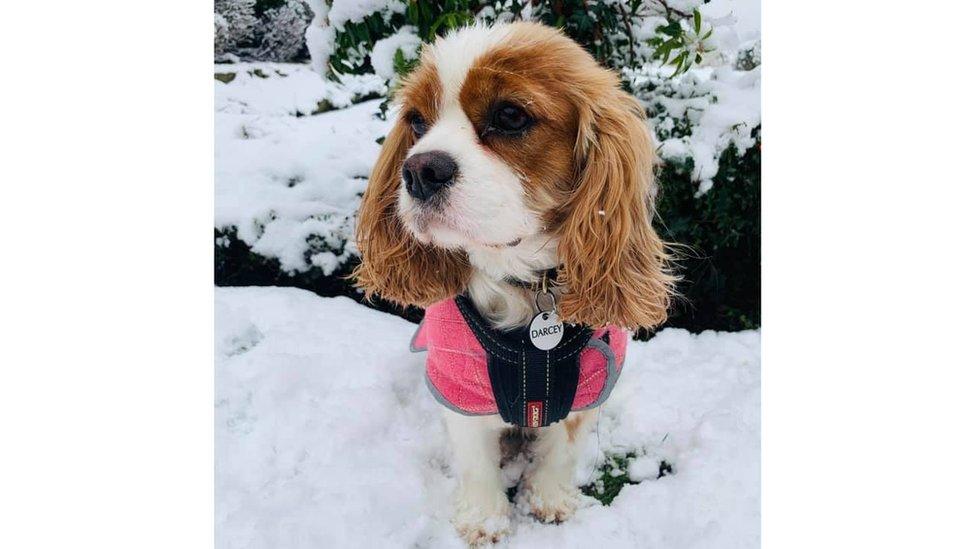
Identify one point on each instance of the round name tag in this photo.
(546, 331)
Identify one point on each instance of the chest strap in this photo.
(532, 388)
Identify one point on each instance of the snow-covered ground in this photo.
(327, 437)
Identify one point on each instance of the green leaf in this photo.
(662, 51)
(697, 21)
(450, 20)
(673, 28)
(679, 59)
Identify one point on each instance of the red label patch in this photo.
(533, 413)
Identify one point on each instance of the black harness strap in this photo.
(532, 388)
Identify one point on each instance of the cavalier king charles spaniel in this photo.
(515, 153)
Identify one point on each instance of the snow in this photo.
(405, 40)
(745, 12)
(290, 185)
(319, 37)
(686, 6)
(344, 11)
(266, 89)
(327, 437)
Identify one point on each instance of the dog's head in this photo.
(506, 133)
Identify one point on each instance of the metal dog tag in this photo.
(546, 330)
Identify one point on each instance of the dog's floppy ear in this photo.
(615, 268)
(394, 264)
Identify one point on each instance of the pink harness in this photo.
(466, 371)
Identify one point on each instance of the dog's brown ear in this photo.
(394, 264)
(615, 268)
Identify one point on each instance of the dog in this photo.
(514, 153)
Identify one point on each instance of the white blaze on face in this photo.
(486, 203)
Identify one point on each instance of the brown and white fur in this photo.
(572, 190)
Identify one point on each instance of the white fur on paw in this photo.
(481, 524)
(549, 502)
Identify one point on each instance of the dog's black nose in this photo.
(427, 173)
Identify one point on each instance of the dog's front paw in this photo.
(482, 522)
(549, 501)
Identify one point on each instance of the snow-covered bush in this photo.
(699, 114)
(265, 30)
(234, 23)
(619, 33)
(221, 35)
(282, 32)
(685, 60)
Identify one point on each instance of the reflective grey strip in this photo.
(413, 340)
(612, 372)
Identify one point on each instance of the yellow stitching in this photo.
(525, 396)
(475, 324)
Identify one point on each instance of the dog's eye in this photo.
(509, 119)
(417, 124)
